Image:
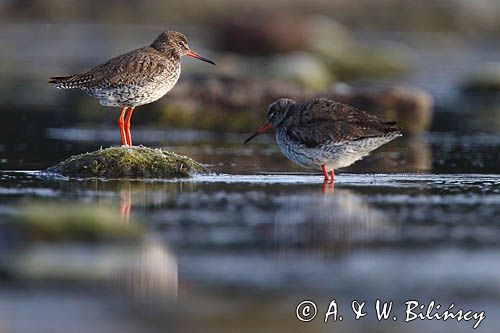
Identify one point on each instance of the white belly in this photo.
(333, 155)
(145, 93)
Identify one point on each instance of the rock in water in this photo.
(129, 162)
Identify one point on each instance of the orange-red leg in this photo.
(329, 184)
(325, 173)
(332, 187)
(127, 126)
(121, 123)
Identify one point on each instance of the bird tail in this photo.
(64, 82)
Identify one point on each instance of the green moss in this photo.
(128, 162)
(73, 223)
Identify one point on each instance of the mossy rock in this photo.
(129, 162)
(48, 222)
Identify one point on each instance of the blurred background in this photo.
(238, 250)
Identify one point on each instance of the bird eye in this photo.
(181, 44)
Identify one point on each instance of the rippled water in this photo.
(414, 226)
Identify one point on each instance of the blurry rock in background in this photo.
(476, 107)
(284, 48)
(223, 102)
(470, 114)
(262, 35)
(348, 58)
(485, 79)
(230, 103)
(312, 50)
(411, 108)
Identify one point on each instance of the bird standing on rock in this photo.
(325, 134)
(135, 78)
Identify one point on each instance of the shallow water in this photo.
(399, 225)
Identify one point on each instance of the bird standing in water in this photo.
(135, 78)
(325, 135)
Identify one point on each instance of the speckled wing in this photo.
(128, 69)
(323, 121)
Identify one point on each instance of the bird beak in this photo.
(261, 130)
(197, 56)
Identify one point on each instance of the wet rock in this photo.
(485, 80)
(411, 108)
(128, 162)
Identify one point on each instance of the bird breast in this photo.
(143, 90)
(158, 86)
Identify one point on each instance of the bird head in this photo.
(176, 43)
(276, 114)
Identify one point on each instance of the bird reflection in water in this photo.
(149, 274)
(330, 224)
(125, 202)
(328, 187)
(152, 275)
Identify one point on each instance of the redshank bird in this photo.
(324, 134)
(135, 78)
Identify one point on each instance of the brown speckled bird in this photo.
(324, 134)
(135, 78)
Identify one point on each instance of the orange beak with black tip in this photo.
(261, 130)
(197, 56)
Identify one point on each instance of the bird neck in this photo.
(166, 51)
(172, 54)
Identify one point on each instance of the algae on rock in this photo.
(44, 222)
(129, 162)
